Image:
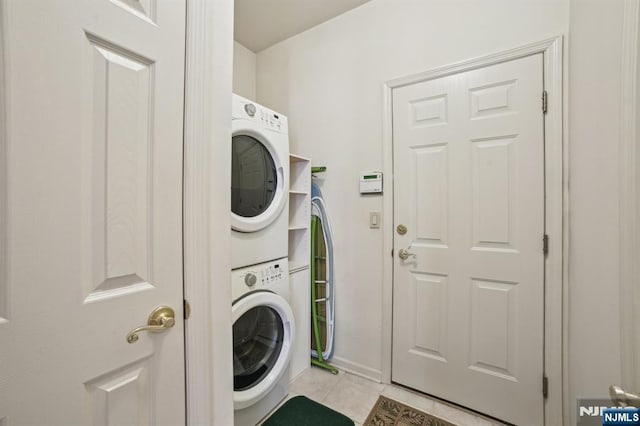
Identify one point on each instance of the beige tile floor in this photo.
(355, 396)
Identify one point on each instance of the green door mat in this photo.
(301, 411)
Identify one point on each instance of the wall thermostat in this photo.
(371, 183)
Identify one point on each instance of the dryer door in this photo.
(263, 332)
(258, 180)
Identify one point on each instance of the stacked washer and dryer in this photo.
(263, 322)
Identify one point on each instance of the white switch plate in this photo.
(374, 219)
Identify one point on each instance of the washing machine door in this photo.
(263, 332)
(258, 179)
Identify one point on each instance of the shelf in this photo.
(297, 267)
(299, 175)
(299, 239)
(299, 211)
(298, 158)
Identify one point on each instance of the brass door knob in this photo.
(404, 254)
(160, 320)
(621, 398)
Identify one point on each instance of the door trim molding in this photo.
(629, 187)
(556, 213)
(206, 204)
(4, 101)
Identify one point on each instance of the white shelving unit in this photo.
(299, 212)
(299, 260)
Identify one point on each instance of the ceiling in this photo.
(263, 23)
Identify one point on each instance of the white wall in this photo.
(594, 134)
(244, 71)
(328, 81)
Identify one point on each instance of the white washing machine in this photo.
(263, 333)
(259, 184)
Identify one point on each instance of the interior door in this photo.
(468, 292)
(94, 103)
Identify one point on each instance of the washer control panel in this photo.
(271, 273)
(272, 276)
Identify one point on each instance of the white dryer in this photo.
(263, 333)
(259, 184)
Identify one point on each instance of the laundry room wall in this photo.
(595, 100)
(328, 80)
(244, 71)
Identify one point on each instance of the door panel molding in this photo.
(120, 234)
(207, 179)
(121, 395)
(629, 185)
(556, 214)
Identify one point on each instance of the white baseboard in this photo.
(357, 369)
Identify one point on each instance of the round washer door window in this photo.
(254, 177)
(258, 336)
(263, 332)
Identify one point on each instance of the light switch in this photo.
(374, 219)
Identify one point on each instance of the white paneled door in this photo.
(468, 152)
(92, 208)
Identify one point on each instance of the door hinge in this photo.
(187, 309)
(545, 244)
(545, 386)
(544, 101)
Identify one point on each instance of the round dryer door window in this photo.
(254, 177)
(258, 337)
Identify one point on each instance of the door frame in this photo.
(206, 207)
(556, 214)
(4, 131)
(629, 184)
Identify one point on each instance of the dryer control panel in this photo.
(270, 119)
(248, 110)
(273, 276)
